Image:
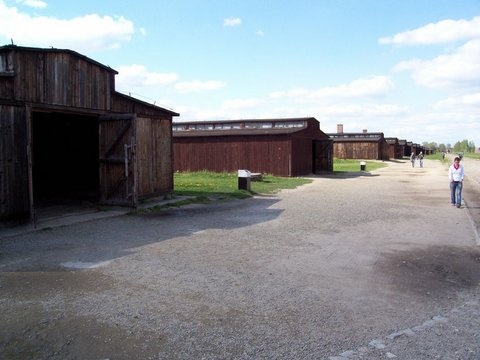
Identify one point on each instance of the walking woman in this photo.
(455, 175)
(412, 159)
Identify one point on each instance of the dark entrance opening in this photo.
(65, 158)
(322, 156)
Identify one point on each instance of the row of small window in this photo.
(238, 126)
(350, 136)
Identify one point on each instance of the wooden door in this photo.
(323, 156)
(118, 175)
(16, 205)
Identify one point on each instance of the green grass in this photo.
(205, 185)
(348, 165)
(438, 156)
(472, 155)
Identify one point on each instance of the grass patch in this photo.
(350, 165)
(437, 156)
(206, 186)
(472, 155)
(225, 185)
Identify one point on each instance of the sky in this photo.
(407, 68)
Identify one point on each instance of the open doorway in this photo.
(65, 159)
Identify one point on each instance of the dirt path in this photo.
(364, 266)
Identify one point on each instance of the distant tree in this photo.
(442, 148)
(464, 146)
(430, 145)
(471, 146)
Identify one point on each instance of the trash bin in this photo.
(363, 165)
(244, 177)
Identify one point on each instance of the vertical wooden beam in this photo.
(28, 116)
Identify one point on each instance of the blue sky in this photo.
(407, 68)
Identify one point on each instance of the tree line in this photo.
(465, 146)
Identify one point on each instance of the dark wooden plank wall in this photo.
(395, 151)
(113, 134)
(13, 163)
(6, 75)
(66, 81)
(265, 154)
(356, 150)
(125, 104)
(57, 78)
(154, 145)
(154, 157)
(288, 154)
(303, 148)
(302, 162)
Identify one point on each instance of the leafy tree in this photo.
(464, 146)
(430, 145)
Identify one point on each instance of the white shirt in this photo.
(456, 174)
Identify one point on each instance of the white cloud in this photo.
(87, 32)
(470, 100)
(137, 76)
(232, 22)
(293, 93)
(188, 113)
(259, 33)
(373, 86)
(359, 111)
(444, 31)
(241, 103)
(452, 72)
(33, 3)
(196, 85)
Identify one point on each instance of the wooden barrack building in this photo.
(395, 151)
(66, 134)
(365, 145)
(281, 147)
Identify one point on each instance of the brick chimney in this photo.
(339, 128)
(364, 131)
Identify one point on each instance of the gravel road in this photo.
(373, 265)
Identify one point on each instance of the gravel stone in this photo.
(367, 265)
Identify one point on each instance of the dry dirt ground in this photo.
(373, 265)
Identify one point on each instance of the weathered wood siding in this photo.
(122, 103)
(282, 147)
(391, 151)
(67, 83)
(402, 144)
(266, 154)
(60, 78)
(117, 163)
(154, 145)
(395, 151)
(14, 202)
(302, 162)
(154, 157)
(375, 150)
